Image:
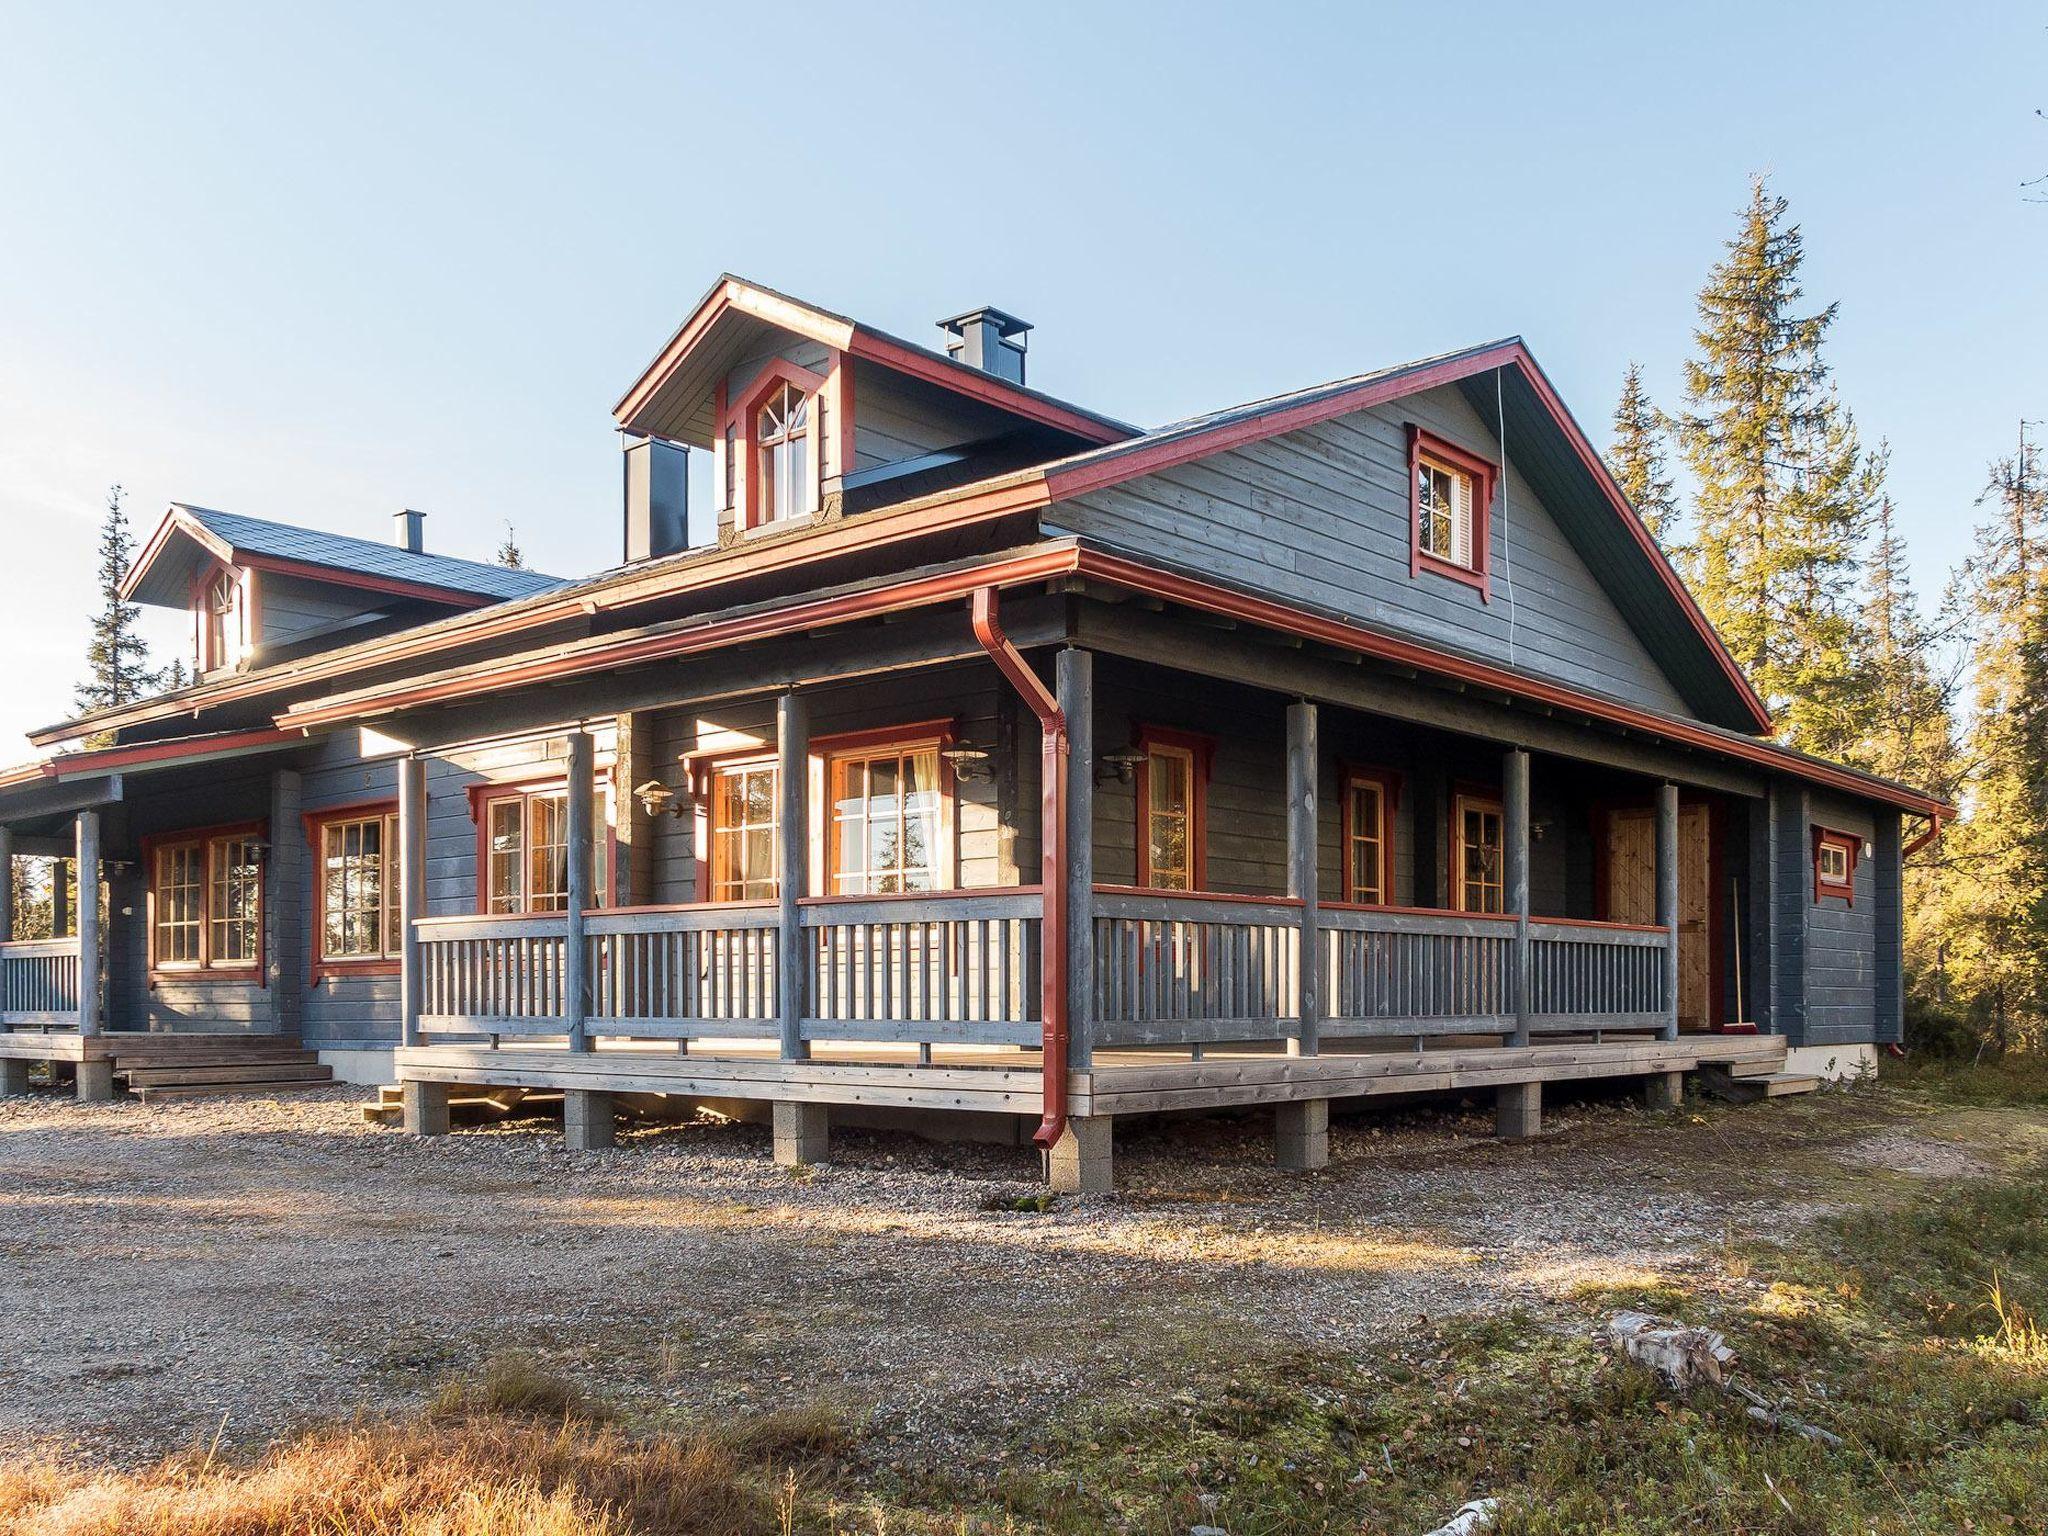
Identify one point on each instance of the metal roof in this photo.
(163, 579)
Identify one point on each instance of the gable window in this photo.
(220, 616)
(887, 807)
(782, 442)
(1173, 793)
(743, 833)
(1834, 865)
(1478, 859)
(1368, 834)
(1449, 494)
(206, 901)
(525, 857)
(357, 916)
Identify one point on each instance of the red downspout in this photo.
(1052, 725)
(1933, 831)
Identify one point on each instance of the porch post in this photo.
(575, 953)
(1515, 877)
(88, 922)
(1302, 879)
(1667, 901)
(6, 884)
(60, 898)
(793, 853)
(1075, 682)
(412, 892)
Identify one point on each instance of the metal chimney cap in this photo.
(1007, 325)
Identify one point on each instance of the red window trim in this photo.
(824, 749)
(1389, 783)
(737, 426)
(703, 768)
(1202, 749)
(1485, 798)
(1852, 846)
(318, 967)
(1484, 476)
(481, 796)
(204, 837)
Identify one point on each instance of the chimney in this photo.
(657, 498)
(406, 532)
(989, 340)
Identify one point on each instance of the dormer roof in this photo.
(190, 539)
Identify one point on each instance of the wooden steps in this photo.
(167, 1068)
(1747, 1082)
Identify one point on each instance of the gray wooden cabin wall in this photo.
(1841, 942)
(292, 607)
(1320, 517)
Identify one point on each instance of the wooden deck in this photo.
(1118, 1083)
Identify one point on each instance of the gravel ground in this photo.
(255, 1263)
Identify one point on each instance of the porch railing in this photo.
(1193, 968)
(39, 983)
(1394, 972)
(964, 967)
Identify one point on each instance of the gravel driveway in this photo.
(255, 1263)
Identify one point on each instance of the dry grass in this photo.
(510, 1453)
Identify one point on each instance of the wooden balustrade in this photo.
(1606, 975)
(679, 972)
(1194, 968)
(962, 967)
(39, 983)
(1390, 971)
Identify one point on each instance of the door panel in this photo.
(1632, 897)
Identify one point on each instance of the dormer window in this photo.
(220, 625)
(1450, 493)
(782, 445)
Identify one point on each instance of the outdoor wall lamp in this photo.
(968, 762)
(1121, 766)
(655, 796)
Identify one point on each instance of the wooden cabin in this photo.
(996, 759)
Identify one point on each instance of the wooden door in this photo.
(1632, 897)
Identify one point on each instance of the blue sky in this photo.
(319, 264)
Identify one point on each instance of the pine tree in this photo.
(117, 659)
(1784, 488)
(1637, 458)
(1995, 911)
(30, 879)
(509, 553)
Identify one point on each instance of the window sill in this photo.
(322, 969)
(238, 974)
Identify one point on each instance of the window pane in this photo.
(506, 840)
(743, 836)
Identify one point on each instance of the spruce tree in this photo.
(1637, 458)
(117, 658)
(1784, 488)
(509, 554)
(1995, 908)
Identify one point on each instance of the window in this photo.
(1449, 493)
(358, 916)
(1172, 795)
(782, 443)
(524, 863)
(1477, 861)
(220, 620)
(1368, 837)
(1834, 865)
(206, 900)
(743, 836)
(886, 805)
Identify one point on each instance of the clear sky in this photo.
(318, 263)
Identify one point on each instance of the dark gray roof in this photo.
(342, 553)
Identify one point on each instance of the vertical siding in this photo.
(1320, 516)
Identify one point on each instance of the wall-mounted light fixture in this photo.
(655, 797)
(968, 761)
(1121, 766)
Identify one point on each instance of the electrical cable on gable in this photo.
(1507, 548)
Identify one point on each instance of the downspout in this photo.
(1926, 838)
(1052, 726)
